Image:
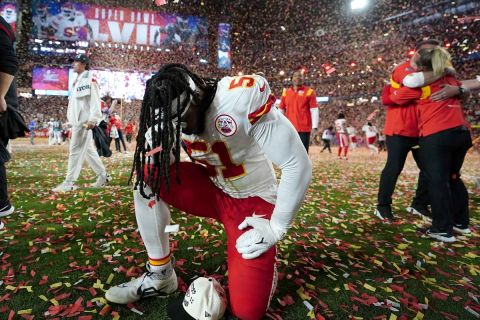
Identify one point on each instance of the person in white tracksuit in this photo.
(83, 114)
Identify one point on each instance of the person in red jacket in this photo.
(444, 141)
(401, 131)
(299, 105)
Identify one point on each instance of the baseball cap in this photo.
(83, 58)
(205, 300)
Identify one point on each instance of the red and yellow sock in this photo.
(159, 262)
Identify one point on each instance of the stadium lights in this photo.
(448, 45)
(281, 72)
(240, 73)
(379, 59)
(411, 52)
(353, 64)
(358, 4)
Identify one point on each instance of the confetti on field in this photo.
(59, 253)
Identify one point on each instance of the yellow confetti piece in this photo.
(311, 314)
(346, 287)
(110, 278)
(379, 263)
(54, 302)
(445, 289)
(98, 285)
(369, 287)
(300, 292)
(471, 255)
(66, 249)
(397, 267)
(402, 246)
(9, 287)
(43, 297)
(387, 289)
(26, 311)
(331, 277)
(55, 285)
(336, 289)
(100, 300)
(29, 288)
(392, 317)
(310, 286)
(419, 316)
(117, 316)
(426, 300)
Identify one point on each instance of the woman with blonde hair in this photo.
(444, 141)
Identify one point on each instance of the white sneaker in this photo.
(65, 187)
(460, 229)
(101, 181)
(7, 210)
(150, 284)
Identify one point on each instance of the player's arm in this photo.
(95, 116)
(283, 105)
(400, 96)
(463, 90)
(313, 110)
(420, 79)
(8, 67)
(281, 144)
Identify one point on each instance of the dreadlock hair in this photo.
(157, 114)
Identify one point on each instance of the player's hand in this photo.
(446, 92)
(3, 105)
(90, 125)
(257, 240)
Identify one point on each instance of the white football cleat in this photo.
(65, 187)
(101, 181)
(150, 284)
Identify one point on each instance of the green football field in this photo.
(60, 252)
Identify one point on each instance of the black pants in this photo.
(118, 140)
(398, 148)
(305, 137)
(442, 155)
(326, 145)
(3, 173)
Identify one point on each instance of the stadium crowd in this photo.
(340, 61)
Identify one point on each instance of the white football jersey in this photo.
(235, 161)
(340, 125)
(42, 24)
(370, 131)
(69, 28)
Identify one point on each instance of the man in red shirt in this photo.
(129, 131)
(299, 105)
(401, 131)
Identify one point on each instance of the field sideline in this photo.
(60, 252)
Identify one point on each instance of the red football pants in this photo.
(251, 282)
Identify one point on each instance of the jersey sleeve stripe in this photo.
(257, 115)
